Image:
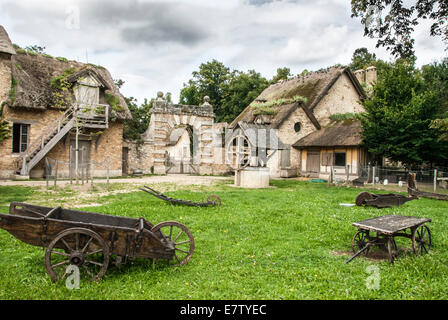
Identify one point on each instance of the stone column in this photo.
(205, 140)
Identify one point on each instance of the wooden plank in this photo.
(390, 224)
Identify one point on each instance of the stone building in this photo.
(45, 99)
(301, 111)
(179, 139)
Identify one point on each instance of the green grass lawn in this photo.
(284, 242)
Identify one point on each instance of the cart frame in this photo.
(387, 228)
(79, 237)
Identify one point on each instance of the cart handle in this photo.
(358, 253)
(51, 212)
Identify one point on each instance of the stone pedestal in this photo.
(252, 177)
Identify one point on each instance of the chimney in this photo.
(371, 75)
(360, 75)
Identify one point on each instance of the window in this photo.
(297, 127)
(339, 159)
(20, 134)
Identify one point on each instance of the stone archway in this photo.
(167, 117)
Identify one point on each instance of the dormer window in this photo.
(87, 91)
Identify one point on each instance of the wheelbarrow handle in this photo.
(358, 253)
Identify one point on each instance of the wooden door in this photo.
(124, 161)
(84, 152)
(313, 162)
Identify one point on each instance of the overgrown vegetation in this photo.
(62, 95)
(5, 129)
(114, 102)
(135, 127)
(12, 90)
(405, 102)
(270, 107)
(346, 116)
(290, 241)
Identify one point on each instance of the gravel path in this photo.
(180, 179)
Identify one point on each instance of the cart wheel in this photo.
(362, 197)
(392, 249)
(177, 236)
(360, 241)
(78, 247)
(214, 198)
(421, 240)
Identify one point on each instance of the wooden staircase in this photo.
(56, 131)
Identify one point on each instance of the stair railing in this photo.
(40, 141)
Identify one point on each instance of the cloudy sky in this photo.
(155, 45)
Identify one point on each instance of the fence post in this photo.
(435, 180)
(55, 174)
(107, 172)
(47, 172)
(373, 177)
(92, 169)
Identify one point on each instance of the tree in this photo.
(282, 74)
(133, 128)
(229, 91)
(189, 94)
(398, 117)
(242, 89)
(392, 23)
(362, 59)
(436, 80)
(35, 49)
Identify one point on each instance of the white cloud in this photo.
(155, 45)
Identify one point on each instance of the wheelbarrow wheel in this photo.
(177, 236)
(83, 249)
(421, 240)
(359, 241)
(214, 198)
(362, 197)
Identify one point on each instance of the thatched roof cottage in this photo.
(304, 111)
(40, 96)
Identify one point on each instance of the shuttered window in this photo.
(20, 134)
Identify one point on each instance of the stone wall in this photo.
(139, 156)
(341, 98)
(108, 144)
(198, 120)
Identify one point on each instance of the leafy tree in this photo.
(392, 22)
(436, 80)
(282, 74)
(242, 89)
(189, 94)
(398, 117)
(35, 49)
(229, 91)
(133, 128)
(119, 83)
(362, 59)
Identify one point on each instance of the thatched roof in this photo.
(5, 42)
(312, 86)
(32, 75)
(345, 133)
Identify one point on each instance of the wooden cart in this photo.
(381, 200)
(386, 229)
(88, 240)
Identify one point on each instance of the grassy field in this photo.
(289, 241)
